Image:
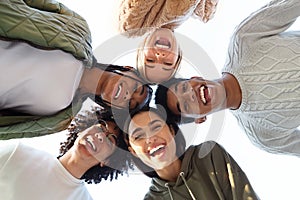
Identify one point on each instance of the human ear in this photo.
(200, 120)
(104, 163)
(172, 130)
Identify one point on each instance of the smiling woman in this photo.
(159, 56)
(202, 171)
(90, 154)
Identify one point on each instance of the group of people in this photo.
(58, 72)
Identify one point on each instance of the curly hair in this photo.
(161, 98)
(120, 160)
(179, 140)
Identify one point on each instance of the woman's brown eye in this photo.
(168, 64)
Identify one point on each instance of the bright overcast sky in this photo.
(274, 177)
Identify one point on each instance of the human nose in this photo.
(189, 94)
(150, 139)
(100, 136)
(159, 54)
(127, 95)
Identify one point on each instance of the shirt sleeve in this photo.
(273, 18)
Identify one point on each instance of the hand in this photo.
(206, 9)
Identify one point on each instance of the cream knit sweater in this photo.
(266, 62)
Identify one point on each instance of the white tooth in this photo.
(155, 149)
(162, 46)
(119, 91)
(91, 143)
(202, 88)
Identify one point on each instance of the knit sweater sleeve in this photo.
(273, 18)
(46, 24)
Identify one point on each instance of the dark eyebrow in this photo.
(153, 122)
(176, 87)
(136, 130)
(167, 69)
(178, 107)
(143, 89)
(142, 92)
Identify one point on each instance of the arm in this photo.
(273, 18)
(46, 24)
(32, 126)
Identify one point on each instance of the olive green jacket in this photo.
(208, 172)
(45, 24)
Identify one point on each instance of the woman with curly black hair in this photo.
(93, 152)
(118, 163)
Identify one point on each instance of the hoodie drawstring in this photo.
(186, 185)
(167, 186)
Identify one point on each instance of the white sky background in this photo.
(274, 177)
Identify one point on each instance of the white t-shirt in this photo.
(35, 81)
(29, 174)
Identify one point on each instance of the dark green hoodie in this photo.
(207, 172)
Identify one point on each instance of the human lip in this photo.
(90, 142)
(162, 43)
(93, 142)
(118, 91)
(156, 150)
(204, 94)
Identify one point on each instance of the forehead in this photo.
(131, 75)
(143, 119)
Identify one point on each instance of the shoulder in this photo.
(208, 147)
(209, 151)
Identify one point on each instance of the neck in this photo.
(74, 165)
(92, 81)
(233, 91)
(171, 172)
